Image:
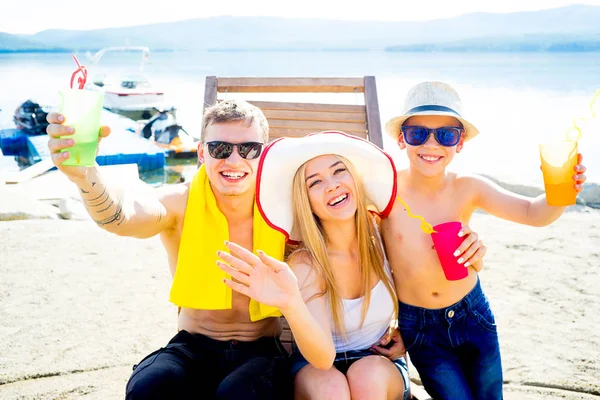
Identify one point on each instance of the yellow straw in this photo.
(575, 126)
(425, 226)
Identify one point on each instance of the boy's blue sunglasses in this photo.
(446, 136)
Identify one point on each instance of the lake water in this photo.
(516, 100)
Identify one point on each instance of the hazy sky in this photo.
(32, 16)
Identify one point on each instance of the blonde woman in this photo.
(346, 301)
(340, 299)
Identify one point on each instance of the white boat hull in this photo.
(128, 94)
(131, 101)
(132, 104)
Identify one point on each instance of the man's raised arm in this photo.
(124, 210)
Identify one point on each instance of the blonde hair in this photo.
(314, 240)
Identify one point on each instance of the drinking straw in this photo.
(425, 226)
(81, 71)
(576, 127)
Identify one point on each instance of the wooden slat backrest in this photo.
(290, 85)
(296, 119)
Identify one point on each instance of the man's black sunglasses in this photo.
(222, 150)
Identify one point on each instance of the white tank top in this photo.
(377, 320)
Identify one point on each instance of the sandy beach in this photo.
(80, 306)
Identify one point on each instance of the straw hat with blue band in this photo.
(431, 98)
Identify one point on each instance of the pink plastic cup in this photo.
(446, 241)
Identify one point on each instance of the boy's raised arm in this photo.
(517, 208)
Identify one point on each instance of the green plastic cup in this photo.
(82, 110)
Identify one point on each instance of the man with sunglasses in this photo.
(218, 352)
(447, 326)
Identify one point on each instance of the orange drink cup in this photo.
(558, 166)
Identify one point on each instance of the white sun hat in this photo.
(282, 158)
(431, 98)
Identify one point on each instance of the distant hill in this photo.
(578, 25)
(13, 43)
(526, 43)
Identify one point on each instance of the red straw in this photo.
(82, 71)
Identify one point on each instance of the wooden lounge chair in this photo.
(296, 119)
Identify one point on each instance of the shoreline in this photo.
(52, 196)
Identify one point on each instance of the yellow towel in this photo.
(198, 282)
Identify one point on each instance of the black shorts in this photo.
(196, 366)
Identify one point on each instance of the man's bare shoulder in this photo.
(174, 197)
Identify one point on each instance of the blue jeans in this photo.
(455, 349)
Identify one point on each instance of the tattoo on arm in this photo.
(117, 216)
(110, 206)
(102, 203)
(106, 198)
(87, 201)
(104, 209)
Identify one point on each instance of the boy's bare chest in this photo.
(403, 235)
(408, 219)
